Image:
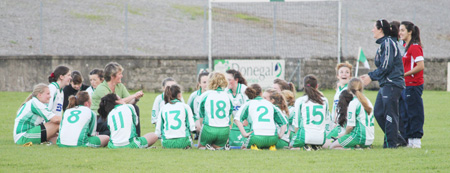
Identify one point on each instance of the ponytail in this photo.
(81, 98)
(356, 87)
(107, 104)
(415, 34)
(253, 91)
(395, 25)
(385, 26)
(344, 99)
(60, 70)
(171, 93)
(310, 88)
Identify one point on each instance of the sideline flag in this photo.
(362, 58)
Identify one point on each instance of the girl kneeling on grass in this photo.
(343, 74)
(357, 116)
(263, 118)
(79, 124)
(175, 121)
(311, 116)
(34, 121)
(276, 98)
(215, 111)
(122, 121)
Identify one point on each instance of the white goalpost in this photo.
(284, 28)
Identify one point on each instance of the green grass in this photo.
(434, 155)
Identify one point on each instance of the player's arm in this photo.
(386, 58)
(190, 118)
(240, 116)
(417, 53)
(419, 67)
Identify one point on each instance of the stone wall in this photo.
(20, 73)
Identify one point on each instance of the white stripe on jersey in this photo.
(175, 121)
(31, 114)
(56, 98)
(122, 121)
(77, 124)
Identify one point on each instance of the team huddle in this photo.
(223, 113)
(226, 112)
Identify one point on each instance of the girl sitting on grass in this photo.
(276, 98)
(215, 111)
(175, 121)
(34, 122)
(79, 123)
(122, 120)
(357, 118)
(263, 118)
(311, 115)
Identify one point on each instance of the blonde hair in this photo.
(344, 64)
(216, 80)
(355, 86)
(289, 96)
(37, 89)
(279, 100)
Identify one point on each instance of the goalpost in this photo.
(285, 28)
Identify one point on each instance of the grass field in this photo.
(433, 157)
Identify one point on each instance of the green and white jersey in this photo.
(31, 114)
(76, 126)
(157, 104)
(175, 121)
(56, 98)
(194, 102)
(216, 108)
(333, 115)
(361, 121)
(291, 118)
(285, 136)
(312, 117)
(262, 116)
(90, 90)
(122, 121)
(239, 99)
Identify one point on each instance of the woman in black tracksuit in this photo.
(389, 74)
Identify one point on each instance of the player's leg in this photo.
(391, 95)
(51, 130)
(379, 113)
(151, 138)
(104, 139)
(403, 116)
(415, 114)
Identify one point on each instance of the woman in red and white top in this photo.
(413, 64)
